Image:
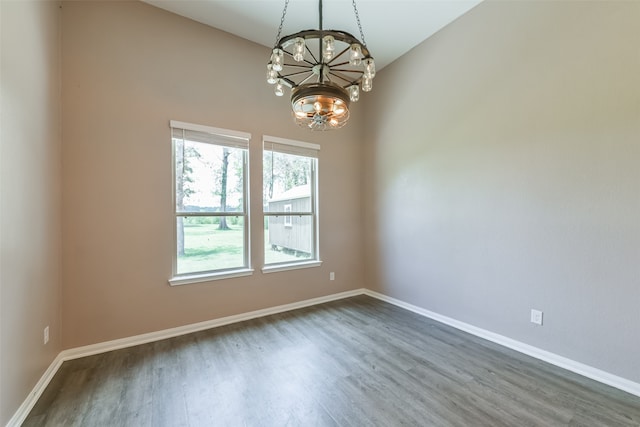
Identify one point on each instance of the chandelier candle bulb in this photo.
(272, 75)
(328, 47)
(279, 90)
(298, 49)
(369, 68)
(277, 59)
(367, 83)
(354, 93)
(355, 54)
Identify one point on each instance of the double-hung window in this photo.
(211, 203)
(290, 204)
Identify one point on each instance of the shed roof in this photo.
(299, 192)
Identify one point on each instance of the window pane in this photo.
(209, 178)
(287, 181)
(288, 238)
(208, 243)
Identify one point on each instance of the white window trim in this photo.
(274, 268)
(199, 277)
(187, 279)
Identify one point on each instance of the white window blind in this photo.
(210, 135)
(289, 146)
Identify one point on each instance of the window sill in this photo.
(293, 266)
(199, 278)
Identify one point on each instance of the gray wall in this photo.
(30, 197)
(502, 175)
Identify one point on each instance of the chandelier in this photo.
(325, 70)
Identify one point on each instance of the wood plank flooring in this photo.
(353, 362)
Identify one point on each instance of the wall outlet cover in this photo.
(536, 317)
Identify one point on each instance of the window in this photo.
(287, 219)
(290, 204)
(211, 203)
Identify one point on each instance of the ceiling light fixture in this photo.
(325, 69)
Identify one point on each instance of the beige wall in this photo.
(503, 175)
(29, 197)
(128, 68)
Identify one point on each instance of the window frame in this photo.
(241, 141)
(312, 151)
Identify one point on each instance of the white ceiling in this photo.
(391, 27)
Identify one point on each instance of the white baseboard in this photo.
(103, 347)
(560, 361)
(75, 353)
(24, 409)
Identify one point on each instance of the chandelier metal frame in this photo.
(325, 69)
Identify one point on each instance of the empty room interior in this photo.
(469, 241)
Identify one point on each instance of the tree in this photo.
(284, 172)
(183, 184)
(223, 188)
(267, 176)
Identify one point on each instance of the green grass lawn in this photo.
(208, 248)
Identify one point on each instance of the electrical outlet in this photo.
(46, 335)
(536, 317)
(332, 276)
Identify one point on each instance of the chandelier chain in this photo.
(355, 9)
(284, 13)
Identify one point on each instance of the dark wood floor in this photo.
(354, 362)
